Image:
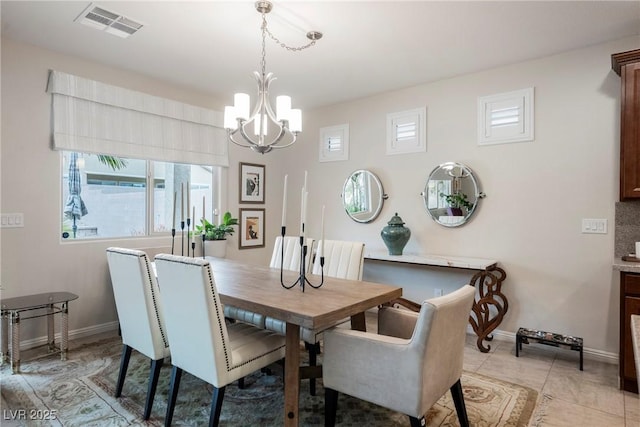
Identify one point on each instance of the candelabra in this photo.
(302, 277)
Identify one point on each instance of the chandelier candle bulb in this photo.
(283, 107)
(260, 125)
(230, 118)
(284, 202)
(295, 120)
(241, 104)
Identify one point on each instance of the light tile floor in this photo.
(566, 395)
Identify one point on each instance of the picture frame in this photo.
(252, 229)
(252, 183)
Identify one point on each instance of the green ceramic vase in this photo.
(395, 235)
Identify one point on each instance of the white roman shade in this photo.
(95, 117)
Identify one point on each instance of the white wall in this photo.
(537, 192)
(34, 259)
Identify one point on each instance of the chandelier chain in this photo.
(281, 43)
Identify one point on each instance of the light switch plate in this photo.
(12, 220)
(594, 226)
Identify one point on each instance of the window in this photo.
(113, 197)
(334, 143)
(406, 131)
(505, 117)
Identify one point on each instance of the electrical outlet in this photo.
(437, 292)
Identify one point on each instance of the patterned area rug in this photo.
(79, 392)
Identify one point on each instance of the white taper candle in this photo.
(322, 234)
(188, 198)
(302, 212)
(284, 202)
(173, 218)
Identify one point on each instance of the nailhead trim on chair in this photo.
(155, 302)
(153, 295)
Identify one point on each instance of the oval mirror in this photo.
(451, 194)
(362, 196)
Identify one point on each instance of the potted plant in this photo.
(215, 236)
(456, 202)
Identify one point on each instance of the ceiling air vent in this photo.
(111, 22)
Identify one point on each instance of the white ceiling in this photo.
(368, 46)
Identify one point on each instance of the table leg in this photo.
(4, 330)
(51, 339)
(292, 375)
(15, 342)
(359, 322)
(64, 331)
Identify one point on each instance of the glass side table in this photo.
(50, 303)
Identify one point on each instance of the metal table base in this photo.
(11, 310)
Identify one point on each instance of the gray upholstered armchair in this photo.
(410, 364)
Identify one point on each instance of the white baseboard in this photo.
(588, 353)
(76, 333)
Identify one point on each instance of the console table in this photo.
(12, 307)
(490, 305)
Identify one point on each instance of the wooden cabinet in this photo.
(627, 65)
(629, 304)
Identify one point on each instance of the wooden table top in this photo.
(258, 289)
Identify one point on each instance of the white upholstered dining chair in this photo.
(135, 290)
(344, 260)
(202, 342)
(410, 364)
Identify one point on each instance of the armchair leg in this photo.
(153, 382)
(216, 406)
(417, 422)
(124, 364)
(176, 374)
(330, 407)
(458, 400)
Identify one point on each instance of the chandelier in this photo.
(288, 121)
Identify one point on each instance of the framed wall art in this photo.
(251, 183)
(251, 228)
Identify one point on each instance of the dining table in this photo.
(259, 289)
